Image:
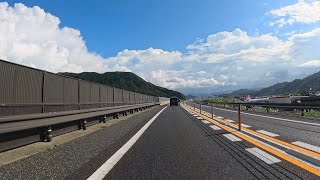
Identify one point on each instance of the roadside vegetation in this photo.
(312, 114)
(220, 99)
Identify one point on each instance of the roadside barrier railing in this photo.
(16, 131)
(242, 106)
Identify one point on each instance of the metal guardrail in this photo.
(272, 105)
(267, 106)
(36, 104)
(9, 119)
(20, 130)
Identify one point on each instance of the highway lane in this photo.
(286, 130)
(178, 145)
(79, 158)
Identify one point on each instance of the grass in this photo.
(220, 99)
(312, 114)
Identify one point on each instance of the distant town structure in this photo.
(285, 99)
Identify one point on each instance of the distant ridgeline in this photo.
(127, 81)
(297, 86)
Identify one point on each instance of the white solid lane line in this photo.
(112, 161)
(268, 133)
(307, 146)
(232, 137)
(205, 121)
(281, 119)
(215, 127)
(267, 158)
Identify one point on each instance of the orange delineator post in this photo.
(239, 118)
(212, 111)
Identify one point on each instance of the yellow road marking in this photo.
(307, 151)
(275, 152)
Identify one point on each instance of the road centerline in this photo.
(294, 160)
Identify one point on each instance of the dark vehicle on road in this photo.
(174, 101)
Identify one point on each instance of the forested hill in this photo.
(127, 81)
(296, 86)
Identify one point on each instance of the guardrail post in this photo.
(116, 116)
(84, 125)
(48, 134)
(302, 112)
(239, 117)
(212, 111)
(104, 119)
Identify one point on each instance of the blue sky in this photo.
(189, 45)
(111, 26)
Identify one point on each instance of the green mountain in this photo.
(244, 92)
(298, 86)
(127, 81)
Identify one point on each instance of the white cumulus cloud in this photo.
(33, 37)
(312, 63)
(176, 79)
(221, 61)
(300, 12)
(236, 46)
(151, 59)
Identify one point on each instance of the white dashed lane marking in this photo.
(219, 117)
(229, 120)
(215, 127)
(195, 115)
(307, 146)
(268, 133)
(199, 118)
(245, 125)
(232, 137)
(206, 122)
(267, 158)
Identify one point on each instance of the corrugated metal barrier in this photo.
(26, 90)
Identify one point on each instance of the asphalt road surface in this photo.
(296, 129)
(179, 144)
